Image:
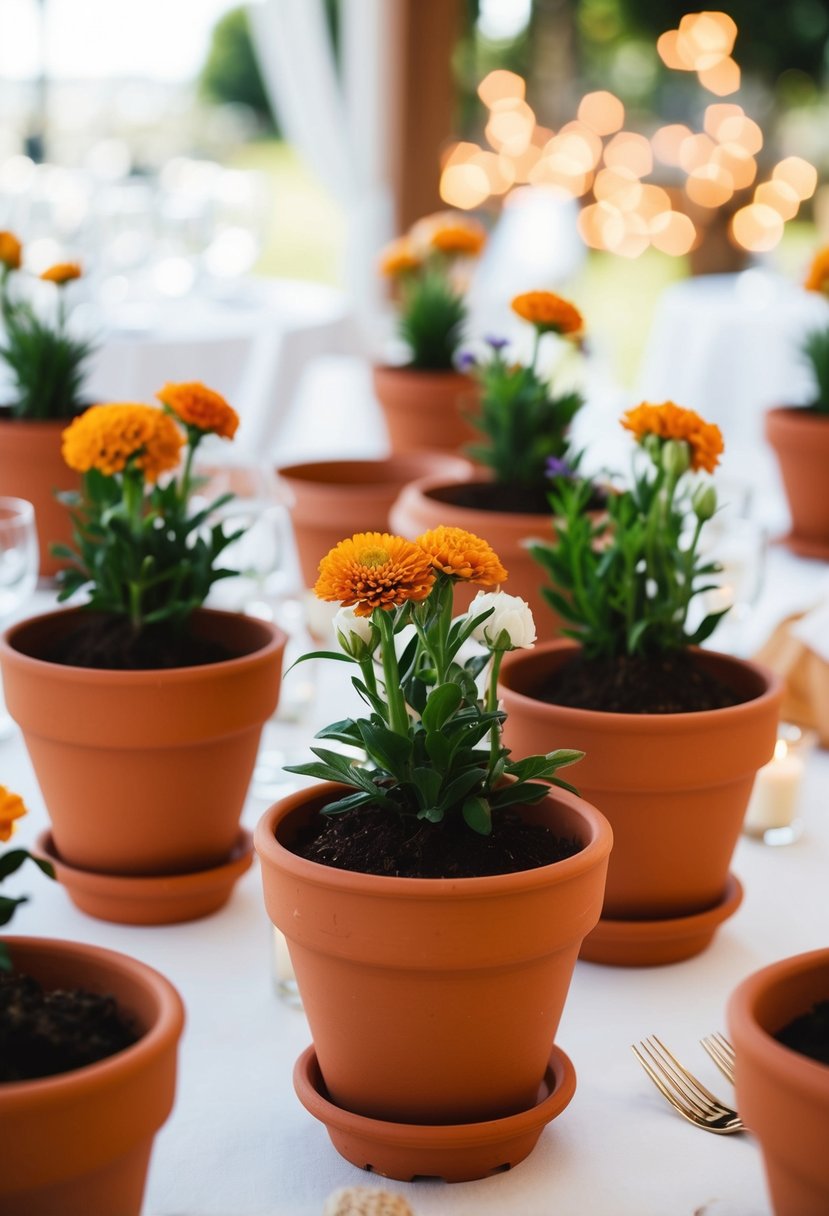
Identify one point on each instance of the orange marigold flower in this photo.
(62, 272)
(398, 258)
(549, 313)
(670, 421)
(10, 251)
(463, 555)
(374, 570)
(818, 277)
(106, 437)
(459, 240)
(196, 405)
(11, 808)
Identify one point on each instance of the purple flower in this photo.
(496, 343)
(556, 467)
(466, 361)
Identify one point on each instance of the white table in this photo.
(728, 346)
(239, 1143)
(253, 346)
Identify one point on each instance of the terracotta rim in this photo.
(380, 885)
(645, 943)
(272, 643)
(559, 1079)
(666, 724)
(790, 1067)
(167, 890)
(380, 475)
(803, 547)
(520, 522)
(168, 1024)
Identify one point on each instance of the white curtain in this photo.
(343, 129)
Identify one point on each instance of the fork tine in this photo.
(721, 1052)
(684, 1094)
(657, 1080)
(698, 1089)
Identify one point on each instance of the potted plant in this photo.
(88, 1042)
(673, 734)
(799, 436)
(435, 896)
(142, 710)
(778, 1019)
(426, 401)
(523, 444)
(46, 364)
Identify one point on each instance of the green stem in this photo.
(492, 705)
(398, 716)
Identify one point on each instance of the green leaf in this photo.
(388, 749)
(8, 907)
(477, 816)
(12, 860)
(427, 783)
(441, 705)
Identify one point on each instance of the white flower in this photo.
(511, 617)
(354, 633)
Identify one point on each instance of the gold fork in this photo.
(684, 1092)
(721, 1052)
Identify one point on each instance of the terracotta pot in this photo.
(428, 503)
(433, 1000)
(426, 411)
(79, 1144)
(332, 499)
(782, 1095)
(32, 467)
(144, 772)
(674, 786)
(800, 440)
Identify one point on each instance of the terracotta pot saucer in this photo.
(806, 547)
(652, 943)
(459, 1152)
(156, 900)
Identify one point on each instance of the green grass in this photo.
(306, 236)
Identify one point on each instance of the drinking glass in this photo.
(19, 560)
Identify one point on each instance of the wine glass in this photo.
(19, 560)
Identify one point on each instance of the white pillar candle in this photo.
(776, 791)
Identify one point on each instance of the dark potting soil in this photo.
(43, 1034)
(370, 840)
(809, 1033)
(508, 497)
(672, 684)
(109, 644)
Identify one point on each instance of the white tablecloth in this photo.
(239, 1143)
(728, 345)
(252, 346)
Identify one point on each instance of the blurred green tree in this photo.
(231, 71)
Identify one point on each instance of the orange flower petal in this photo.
(374, 570)
(196, 405)
(462, 555)
(671, 421)
(549, 313)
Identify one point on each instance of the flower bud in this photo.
(510, 625)
(675, 457)
(356, 634)
(704, 502)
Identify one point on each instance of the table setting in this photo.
(529, 1096)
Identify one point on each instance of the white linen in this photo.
(342, 130)
(239, 1143)
(253, 347)
(728, 345)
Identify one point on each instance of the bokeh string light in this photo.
(596, 159)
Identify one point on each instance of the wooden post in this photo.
(427, 104)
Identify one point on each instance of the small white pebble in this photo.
(365, 1201)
